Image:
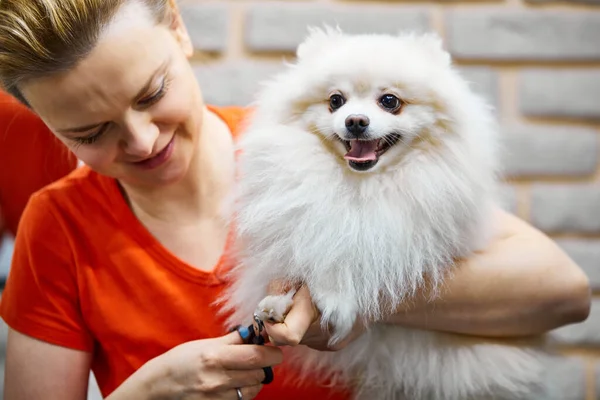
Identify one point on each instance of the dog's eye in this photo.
(390, 102)
(336, 101)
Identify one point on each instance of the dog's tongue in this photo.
(362, 150)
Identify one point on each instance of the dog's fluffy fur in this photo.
(364, 237)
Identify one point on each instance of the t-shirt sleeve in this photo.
(41, 295)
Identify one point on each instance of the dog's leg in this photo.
(338, 313)
(274, 308)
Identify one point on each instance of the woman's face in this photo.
(131, 109)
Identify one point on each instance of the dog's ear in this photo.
(318, 40)
(432, 44)
(435, 44)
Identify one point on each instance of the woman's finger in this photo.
(300, 317)
(231, 338)
(248, 357)
(238, 378)
(247, 393)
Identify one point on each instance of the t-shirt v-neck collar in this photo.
(127, 218)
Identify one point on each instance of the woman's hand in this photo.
(204, 369)
(302, 325)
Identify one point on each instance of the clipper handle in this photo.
(249, 336)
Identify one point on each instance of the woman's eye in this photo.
(155, 97)
(336, 101)
(93, 138)
(390, 102)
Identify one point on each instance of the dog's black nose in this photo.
(357, 124)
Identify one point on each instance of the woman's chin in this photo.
(168, 174)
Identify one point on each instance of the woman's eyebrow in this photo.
(148, 84)
(80, 129)
(140, 94)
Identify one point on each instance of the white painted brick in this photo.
(537, 150)
(571, 93)
(566, 208)
(586, 253)
(585, 333)
(2, 368)
(281, 26)
(508, 198)
(484, 81)
(574, 2)
(233, 83)
(523, 34)
(207, 25)
(93, 389)
(7, 245)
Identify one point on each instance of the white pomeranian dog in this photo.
(368, 168)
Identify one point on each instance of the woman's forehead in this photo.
(132, 15)
(105, 81)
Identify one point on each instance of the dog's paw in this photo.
(338, 316)
(274, 308)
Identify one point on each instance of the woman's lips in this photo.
(158, 159)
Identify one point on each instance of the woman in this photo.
(116, 266)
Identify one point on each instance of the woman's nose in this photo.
(140, 135)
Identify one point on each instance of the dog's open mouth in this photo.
(364, 154)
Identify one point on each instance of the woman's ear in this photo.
(179, 29)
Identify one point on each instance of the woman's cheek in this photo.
(97, 159)
(175, 107)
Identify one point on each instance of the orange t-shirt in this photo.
(31, 157)
(87, 275)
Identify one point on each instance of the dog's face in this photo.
(366, 121)
(372, 98)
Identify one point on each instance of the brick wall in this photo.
(537, 61)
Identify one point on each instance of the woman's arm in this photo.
(39, 370)
(522, 284)
(201, 369)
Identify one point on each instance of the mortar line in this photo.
(235, 32)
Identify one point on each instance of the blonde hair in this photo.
(41, 37)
